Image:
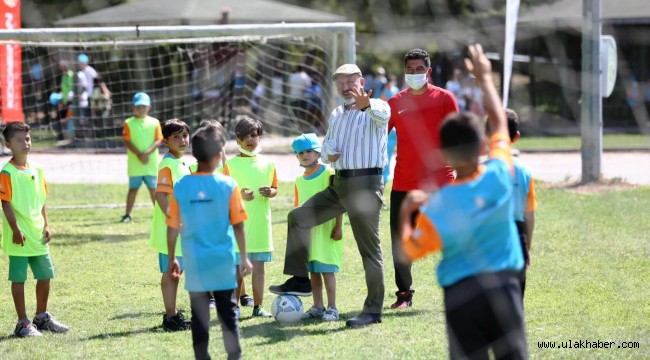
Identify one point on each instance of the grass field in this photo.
(588, 281)
(572, 143)
(45, 141)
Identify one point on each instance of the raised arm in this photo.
(479, 65)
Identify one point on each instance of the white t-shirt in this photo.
(89, 76)
(299, 82)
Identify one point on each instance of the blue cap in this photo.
(55, 98)
(83, 58)
(306, 142)
(141, 99)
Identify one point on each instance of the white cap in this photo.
(347, 69)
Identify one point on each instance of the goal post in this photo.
(190, 72)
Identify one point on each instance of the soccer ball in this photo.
(287, 309)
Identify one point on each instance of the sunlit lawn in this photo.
(588, 281)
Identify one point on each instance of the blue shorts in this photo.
(41, 265)
(136, 181)
(322, 268)
(163, 262)
(260, 256)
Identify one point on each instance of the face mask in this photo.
(257, 150)
(415, 81)
(310, 165)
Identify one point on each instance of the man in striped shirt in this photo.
(355, 145)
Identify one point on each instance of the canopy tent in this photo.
(199, 12)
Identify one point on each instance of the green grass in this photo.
(610, 141)
(588, 281)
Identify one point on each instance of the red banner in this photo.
(10, 65)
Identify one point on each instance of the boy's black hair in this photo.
(247, 125)
(207, 142)
(172, 126)
(513, 124)
(13, 128)
(418, 54)
(461, 135)
(212, 123)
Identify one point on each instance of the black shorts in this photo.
(483, 312)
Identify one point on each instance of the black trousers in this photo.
(403, 277)
(483, 312)
(226, 304)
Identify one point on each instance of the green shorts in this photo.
(266, 256)
(41, 267)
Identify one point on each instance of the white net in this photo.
(275, 76)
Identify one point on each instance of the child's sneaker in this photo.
(331, 314)
(26, 329)
(313, 312)
(46, 321)
(213, 303)
(246, 300)
(126, 218)
(259, 311)
(177, 322)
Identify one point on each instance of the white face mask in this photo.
(415, 81)
(257, 150)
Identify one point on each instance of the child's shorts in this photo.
(163, 262)
(41, 267)
(261, 256)
(136, 181)
(322, 268)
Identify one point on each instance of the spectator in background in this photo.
(388, 90)
(314, 97)
(86, 83)
(60, 116)
(370, 80)
(258, 95)
(277, 91)
(298, 83)
(380, 81)
(475, 99)
(456, 86)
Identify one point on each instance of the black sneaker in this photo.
(177, 322)
(246, 300)
(294, 286)
(126, 218)
(363, 319)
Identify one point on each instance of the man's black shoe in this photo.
(363, 319)
(294, 286)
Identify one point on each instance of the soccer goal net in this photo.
(276, 73)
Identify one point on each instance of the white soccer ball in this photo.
(287, 309)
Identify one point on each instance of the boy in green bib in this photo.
(255, 174)
(142, 136)
(172, 167)
(326, 250)
(25, 231)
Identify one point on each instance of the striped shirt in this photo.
(359, 136)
